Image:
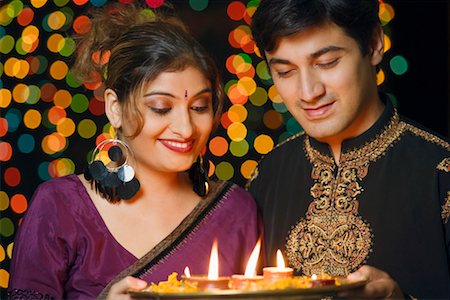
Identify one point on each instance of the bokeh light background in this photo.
(50, 123)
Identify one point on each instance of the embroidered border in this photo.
(428, 136)
(28, 294)
(446, 209)
(444, 165)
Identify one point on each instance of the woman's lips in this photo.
(177, 146)
(318, 112)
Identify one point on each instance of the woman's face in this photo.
(178, 119)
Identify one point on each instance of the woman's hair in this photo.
(279, 18)
(141, 44)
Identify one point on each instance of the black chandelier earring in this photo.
(110, 172)
(199, 177)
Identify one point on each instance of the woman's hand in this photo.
(119, 290)
(379, 285)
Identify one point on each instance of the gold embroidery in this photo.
(446, 209)
(444, 165)
(332, 237)
(428, 136)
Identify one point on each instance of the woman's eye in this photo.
(200, 108)
(160, 111)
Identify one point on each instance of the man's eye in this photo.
(284, 74)
(160, 111)
(327, 65)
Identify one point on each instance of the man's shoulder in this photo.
(419, 134)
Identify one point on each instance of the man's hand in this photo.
(119, 290)
(379, 285)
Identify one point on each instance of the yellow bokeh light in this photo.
(66, 127)
(4, 200)
(56, 20)
(24, 69)
(62, 98)
(32, 119)
(2, 254)
(55, 42)
(38, 3)
(53, 143)
(246, 86)
(263, 144)
(30, 34)
(380, 77)
(247, 168)
(237, 131)
(387, 43)
(58, 70)
(21, 92)
(4, 278)
(5, 98)
(386, 13)
(12, 66)
(274, 95)
(9, 250)
(237, 113)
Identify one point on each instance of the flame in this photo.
(313, 276)
(250, 270)
(187, 272)
(213, 272)
(280, 260)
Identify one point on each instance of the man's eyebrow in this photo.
(325, 50)
(279, 61)
(316, 54)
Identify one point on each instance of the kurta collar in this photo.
(382, 124)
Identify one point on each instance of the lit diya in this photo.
(212, 281)
(246, 281)
(278, 272)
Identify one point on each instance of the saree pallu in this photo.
(64, 250)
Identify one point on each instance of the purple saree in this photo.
(64, 249)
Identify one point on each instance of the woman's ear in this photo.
(377, 46)
(113, 109)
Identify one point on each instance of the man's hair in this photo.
(279, 18)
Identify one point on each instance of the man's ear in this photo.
(377, 46)
(113, 109)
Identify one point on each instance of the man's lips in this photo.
(318, 112)
(177, 145)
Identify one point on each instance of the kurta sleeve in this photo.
(444, 191)
(44, 247)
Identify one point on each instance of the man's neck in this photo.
(361, 125)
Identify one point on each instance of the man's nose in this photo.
(310, 86)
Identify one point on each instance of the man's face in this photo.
(326, 82)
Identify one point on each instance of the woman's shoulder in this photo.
(61, 183)
(236, 195)
(65, 191)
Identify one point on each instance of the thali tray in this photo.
(285, 294)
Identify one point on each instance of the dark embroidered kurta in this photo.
(387, 204)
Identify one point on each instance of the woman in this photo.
(143, 208)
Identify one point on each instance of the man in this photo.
(362, 192)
